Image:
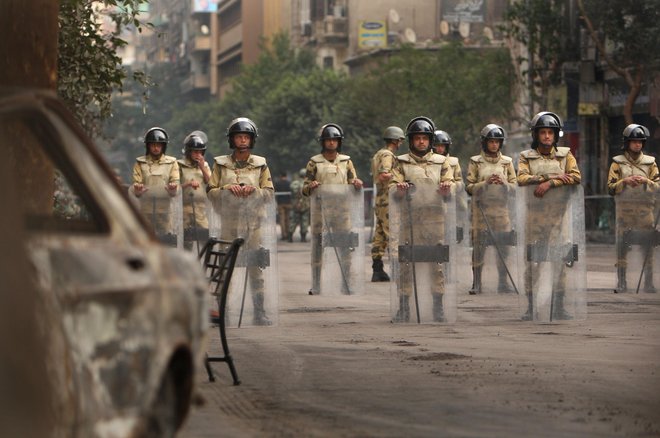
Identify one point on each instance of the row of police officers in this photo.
(524, 232)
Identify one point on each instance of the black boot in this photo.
(438, 312)
(621, 281)
(403, 314)
(303, 237)
(259, 314)
(529, 314)
(558, 310)
(379, 273)
(476, 281)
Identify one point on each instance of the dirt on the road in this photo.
(336, 366)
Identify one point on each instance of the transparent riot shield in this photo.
(494, 241)
(461, 275)
(337, 216)
(253, 293)
(422, 245)
(637, 239)
(163, 210)
(196, 208)
(552, 248)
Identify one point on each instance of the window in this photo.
(52, 194)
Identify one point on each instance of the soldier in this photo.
(299, 209)
(423, 178)
(633, 180)
(158, 174)
(382, 164)
(242, 191)
(549, 168)
(195, 174)
(283, 187)
(330, 168)
(441, 144)
(491, 181)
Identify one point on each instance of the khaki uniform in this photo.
(456, 171)
(155, 175)
(493, 202)
(299, 215)
(252, 172)
(543, 224)
(428, 222)
(382, 162)
(635, 210)
(190, 172)
(338, 171)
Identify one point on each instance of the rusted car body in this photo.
(132, 311)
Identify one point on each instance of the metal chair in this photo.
(219, 259)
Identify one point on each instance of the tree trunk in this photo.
(31, 340)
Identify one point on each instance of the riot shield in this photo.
(337, 217)
(494, 240)
(196, 206)
(552, 247)
(253, 293)
(163, 210)
(460, 275)
(637, 239)
(422, 245)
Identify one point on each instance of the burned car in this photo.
(132, 311)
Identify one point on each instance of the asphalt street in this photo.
(337, 366)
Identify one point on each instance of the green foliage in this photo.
(540, 26)
(633, 28)
(89, 69)
(290, 98)
(461, 90)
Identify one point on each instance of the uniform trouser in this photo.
(427, 232)
(336, 223)
(283, 211)
(381, 232)
(298, 218)
(252, 236)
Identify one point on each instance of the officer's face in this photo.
(546, 136)
(420, 142)
(196, 155)
(493, 145)
(331, 143)
(241, 141)
(440, 148)
(635, 146)
(155, 149)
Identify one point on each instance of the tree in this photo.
(627, 36)
(540, 27)
(89, 68)
(460, 89)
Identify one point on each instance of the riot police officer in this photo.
(330, 209)
(422, 180)
(382, 164)
(158, 174)
(633, 180)
(299, 215)
(241, 190)
(547, 167)
(195, 175)
(441, 145)
(491, 180)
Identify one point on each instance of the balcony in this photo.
(332, 30)
(201, 43)
(196, 81)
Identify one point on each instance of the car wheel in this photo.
(162, 420)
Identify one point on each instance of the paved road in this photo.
(336, 366)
